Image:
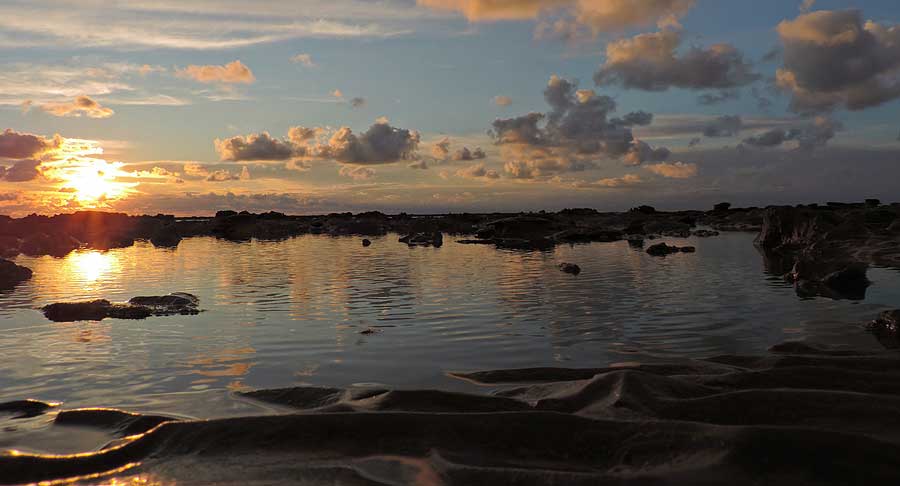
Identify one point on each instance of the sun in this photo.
(95, 180)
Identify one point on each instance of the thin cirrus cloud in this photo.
(205, 25)
(567, 18)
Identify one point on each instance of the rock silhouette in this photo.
(178, 303)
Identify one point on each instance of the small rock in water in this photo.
(366, 242)
(370, 330)
(136, 308)
(570, 268)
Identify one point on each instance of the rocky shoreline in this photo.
(798, 415)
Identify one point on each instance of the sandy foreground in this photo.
(797, 415)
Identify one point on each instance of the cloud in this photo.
(641, 152)
(304, 59)
(195, 25)
(570, 17)
(16, 145)
(477, 171)
(501, 100)
(358, 102)
(380, 144)
(259, 146)
(235, 72)
(724, 126)
(833, 59)
(694, 142)
(441, 149)
(709, 99)
(337, 93)
(466, 154)
(357, 173)
(225, 175)
(674, 170)
(651, 62)
(81, 105)
(572, 136)
(813, 135)
(624, 181)
(22, 171)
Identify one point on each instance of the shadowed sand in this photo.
(798, 415)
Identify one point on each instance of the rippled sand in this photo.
(797, 415)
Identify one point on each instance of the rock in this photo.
(9, 246)
(26, 408)
(166, 237)
(225, 214)
(873, 202)
(787, 228)
(644, 209)
(58, 245)
(366, 242)
(435, 239)
(635, 242)
(476, 242)
(570, 268)
(675, 229)
(828, 277)
(370, 330)
(705, 233)
(722, 206)
(12, 274)
(136, 308)
(662, 249)
(886, 328)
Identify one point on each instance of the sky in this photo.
(430, 106)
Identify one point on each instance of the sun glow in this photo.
(94, 180)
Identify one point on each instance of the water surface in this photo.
(291, 312)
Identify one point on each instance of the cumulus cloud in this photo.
(477, 171)
(81, 105)
(674, 170)
(501, 100)
(641, 152)
(833, 59)
(651, 62)
(569, 18)
(441, 149)
(466, 154)
(815, 134)
(724, 126)
(303, 59)
(21, 171)
(16, 145)
(259, 146)
(573, 135)
(380, 144)
(337, 93)
(357, 173)
(235, 72)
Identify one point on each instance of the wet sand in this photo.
(798, 415)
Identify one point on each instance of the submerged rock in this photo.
(136, 308)
(424, 239)
(570, 268)
(662, 249)
(12, 274)
(886, 328)
(366, 242)
(705, 233)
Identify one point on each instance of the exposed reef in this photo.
(826, 250)
(798, 415)
(178, 303)
(12, 274)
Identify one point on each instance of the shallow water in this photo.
(287, 313)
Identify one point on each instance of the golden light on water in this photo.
(91, 266)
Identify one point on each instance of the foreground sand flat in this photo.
(798, 415)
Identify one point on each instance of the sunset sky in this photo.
(188, 107)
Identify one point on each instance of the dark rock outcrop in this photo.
(570, 268)
(178, 303)
(662, 249)
(435, 239)
(12, 274)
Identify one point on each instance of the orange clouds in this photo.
(81, 105)
(235, 72)
(674, 170)
(597, 16)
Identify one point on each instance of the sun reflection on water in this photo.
(91, 266)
